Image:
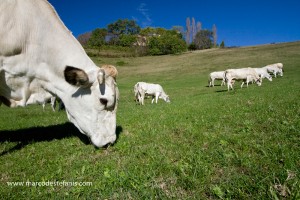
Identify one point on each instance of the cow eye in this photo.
(103, 101)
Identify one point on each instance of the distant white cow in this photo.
(38, 51)
(275, 69)
(219, 75)
(42, 98)
(149, 89)
(263, 73)
(245, 74)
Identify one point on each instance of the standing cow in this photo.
(219, 75)
(246, 75)
(38, 51)
(142, 89)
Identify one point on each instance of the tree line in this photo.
(151, 41)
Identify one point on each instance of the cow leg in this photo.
(142, 97)
(137, 98)
(229, 84)
(53, 103)
(156, 97)
(245, 80)
(44, 104)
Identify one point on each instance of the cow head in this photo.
(166, 98)
(259, 81)
(280, 72)
(93, 103)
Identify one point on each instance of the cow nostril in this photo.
(103, 101)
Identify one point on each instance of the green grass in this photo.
(206, 144)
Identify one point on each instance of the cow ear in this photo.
(76, 76)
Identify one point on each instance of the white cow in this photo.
(42, 98)
(263, 73)
(38, 51)
(149, 89)
(275, 69)
(219, 75)
(245, 74)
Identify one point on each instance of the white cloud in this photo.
(146, 20)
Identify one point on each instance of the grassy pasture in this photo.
(206, 144)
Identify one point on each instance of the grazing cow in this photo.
(263, 73)
(275, 69)
(38, 51)
(219, 75)
(245, 74)
(149, 89)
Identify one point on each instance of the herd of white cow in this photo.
(40, 59)
(246, 75)
(229, 76)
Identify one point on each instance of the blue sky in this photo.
(238, 22)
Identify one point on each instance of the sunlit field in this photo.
(207, 143)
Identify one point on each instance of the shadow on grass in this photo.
(27, 136)
(222, 90)
(215, 85)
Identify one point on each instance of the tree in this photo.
(179, 29)
(124, 26)
(127, 40)
(169, 42)
(194, 30)
(199, 26)
(192, 47)
(97, 38)
(222, 45)
(84, 38)
(149, 31)
(188, 31)
(215, 37)
(204, 39)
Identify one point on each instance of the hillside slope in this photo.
(207, 143)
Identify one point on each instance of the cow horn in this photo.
(110, 70)
(101, 76)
